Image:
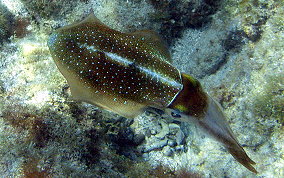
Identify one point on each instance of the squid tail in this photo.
(215, 124)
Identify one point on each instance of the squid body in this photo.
(128, 72)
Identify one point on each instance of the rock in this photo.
(164, 130)
(172, 143)
(168, 151)
(155, 145)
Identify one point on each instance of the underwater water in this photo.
(233, 48)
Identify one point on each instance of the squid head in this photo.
(194, 105)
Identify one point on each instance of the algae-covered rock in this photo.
(269, 101)
(7, 24)
(177, 16)
(46, 9)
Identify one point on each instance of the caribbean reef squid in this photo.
(127, 73)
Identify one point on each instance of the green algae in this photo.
(269, 103)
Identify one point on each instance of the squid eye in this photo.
(175, 114)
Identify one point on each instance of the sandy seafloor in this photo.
(234, 48)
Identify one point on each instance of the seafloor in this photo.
(235, 48)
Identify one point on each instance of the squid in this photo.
(126, 73)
